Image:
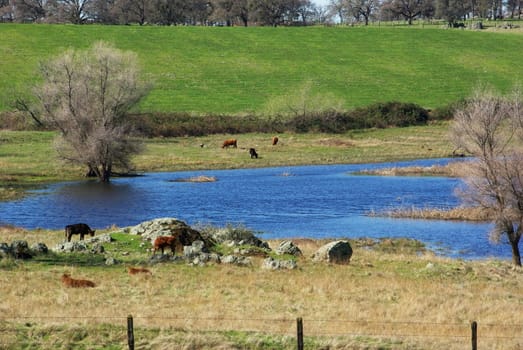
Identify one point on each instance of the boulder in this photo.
(39, 248)
(337, 252)
(237, 236)
(236, 260)
(20, 250)
(110, 261)
(106, 238)
(97, 248)
(195, 249)
(5, 250)
(150, 230)
(69, 247)
(288, 247)
(276, 264)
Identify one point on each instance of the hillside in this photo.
(234, 70)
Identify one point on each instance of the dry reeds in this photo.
(460, 213)
(200, 178)
(454, 169)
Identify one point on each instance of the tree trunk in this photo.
(516, 256)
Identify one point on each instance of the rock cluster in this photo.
(90, 245)
(19, 249)
(150, 230)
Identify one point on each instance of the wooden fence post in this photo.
(299, 324)
(130, 332)
(474, 327)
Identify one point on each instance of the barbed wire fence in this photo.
(462, 335)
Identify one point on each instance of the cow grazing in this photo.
(82, 229)
(162, 242)
(230, 142)
(253, 153)
(275, 140)
(138, 270)
(75, 283)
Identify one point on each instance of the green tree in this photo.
(451, 10)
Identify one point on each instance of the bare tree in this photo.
(86, 95)
(489, 128)
(338, 8)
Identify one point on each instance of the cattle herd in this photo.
(160, 243)
(252, 151)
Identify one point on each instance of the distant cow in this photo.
(275, 140)
(75, 283)
(162, 242)
(137, 270)
(82, 229)
(229, 143)
(253, 153)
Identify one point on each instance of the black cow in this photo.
(82, 229)
(253, 153)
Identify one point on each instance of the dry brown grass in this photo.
(453, 169)
(381, 295)
(459, 213)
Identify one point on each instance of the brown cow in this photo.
(162, 242)
(137, 270)
(74, 283)
(275, 140)
(82, 229)
(230, 142)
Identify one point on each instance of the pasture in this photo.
(263, 70)
(27, 158)
(389, 297)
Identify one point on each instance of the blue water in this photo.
(285, 202)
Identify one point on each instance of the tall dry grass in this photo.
(378, 294)
(452, 169)
(458, 213)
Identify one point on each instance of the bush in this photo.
(447, 112)
(379, 115)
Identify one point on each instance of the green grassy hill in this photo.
(234, 70)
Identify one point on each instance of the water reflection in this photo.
(315, 202)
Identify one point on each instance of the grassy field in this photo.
(27, 158)
(389, 297)
(237, 70)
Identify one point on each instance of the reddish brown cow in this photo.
(137, 270)
(75, 283)
(230, 142)
(275, 140)
(162, 242)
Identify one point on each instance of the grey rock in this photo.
(39, 248)
(5, 250)
(110, 261)
(337, 252)
(276, 264)
(97, 248)
(69, 247)
(20, 250)
(288, 247)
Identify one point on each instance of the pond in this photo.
(281, 202)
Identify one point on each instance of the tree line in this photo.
(252, 12)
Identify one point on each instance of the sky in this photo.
(321, 2)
